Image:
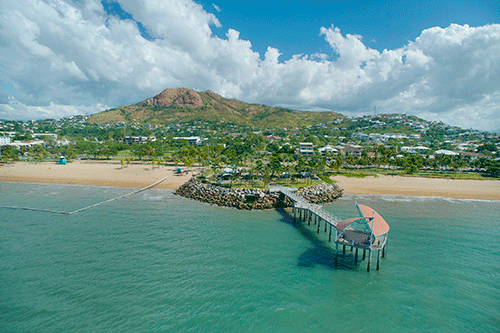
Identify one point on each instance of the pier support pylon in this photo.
(336, 254)
(369, 260)
(378, 260)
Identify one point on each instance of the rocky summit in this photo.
(182, 98)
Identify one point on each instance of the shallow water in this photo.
(158, 262)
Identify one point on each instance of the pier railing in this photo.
(301, 203)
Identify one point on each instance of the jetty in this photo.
(368, 232)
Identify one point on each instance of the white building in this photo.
(361, 136)
(415, 150)
(138, 139)
(4, 140)
(396, 136)
(37, 135)
(329, 149)
(9, 134)
(445, 152)
(29, 143)
(192, 140)
(306, 148)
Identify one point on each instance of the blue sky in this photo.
(439, 60)
(293, 26)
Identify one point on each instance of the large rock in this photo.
(180, 97)
(321, 193)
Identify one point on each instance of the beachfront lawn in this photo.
(374, 172)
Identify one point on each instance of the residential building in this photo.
(192, 140)
(445, 152)
(329, 149)
(306, 148)
(138, 139)
(4, 140)
(352, 150)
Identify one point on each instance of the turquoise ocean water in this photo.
(156, 262)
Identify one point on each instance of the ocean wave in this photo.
(404, 198)
(152, 197)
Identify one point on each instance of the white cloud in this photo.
(57, 53)
(18, 111)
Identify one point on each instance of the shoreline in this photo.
(103, 173)
(421, 187)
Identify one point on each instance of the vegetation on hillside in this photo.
(214, 109)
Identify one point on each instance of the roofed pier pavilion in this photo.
(367, 232)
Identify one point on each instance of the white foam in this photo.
(403, 198)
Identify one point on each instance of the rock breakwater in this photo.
(254, 198)
(321, 193)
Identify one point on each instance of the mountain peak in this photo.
(176, 97)
(180, 105)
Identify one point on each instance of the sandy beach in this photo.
(141, 175)
(418, 186)
(97, 174)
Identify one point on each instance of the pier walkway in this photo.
(301, 203)
(309, 212)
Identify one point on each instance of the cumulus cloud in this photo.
(51, 111)
(63, 57)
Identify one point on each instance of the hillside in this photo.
(184, 105)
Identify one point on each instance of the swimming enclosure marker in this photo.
(84, 208)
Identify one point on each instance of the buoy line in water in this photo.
(84, 208)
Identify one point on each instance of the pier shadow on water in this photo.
(322, 253)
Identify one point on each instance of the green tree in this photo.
(337, 162)
(188, 161)
(259, 168)
(266, 175)
(274, 165)
(10, 153)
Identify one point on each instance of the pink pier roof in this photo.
(344, 223)
(378, 225)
